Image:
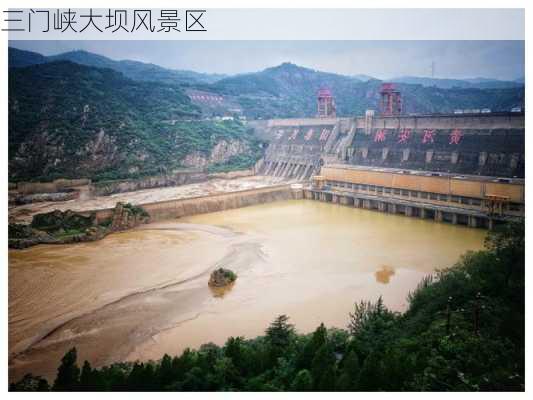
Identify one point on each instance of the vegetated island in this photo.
(222, 277)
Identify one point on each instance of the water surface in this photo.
(143, 293)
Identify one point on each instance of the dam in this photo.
(477, 144)
(307, 241)
(464, 168)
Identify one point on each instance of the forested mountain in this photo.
(290, 91)
(132, 69)
(22, 58)
(71, 120)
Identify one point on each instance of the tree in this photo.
(328, 379)
(165, 372)
(344, 383)
(89, 378)
(68, 373)
(30, 383)
(363, 312)
(323, 368)
(182, 364)
(350, 372)
(318, 339)
(226, 375)
(370, 378)
(507, 242)
(280, 332)
(303, 382)
(194, 380)
(278, 336)
(235, 351)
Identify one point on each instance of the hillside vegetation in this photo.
(70, 120)
(464, 330)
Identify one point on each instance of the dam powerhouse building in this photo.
(462, 168)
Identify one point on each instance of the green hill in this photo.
(132, 69)
(135, 69)
(22, 58)
(290, 91)
(70, 120)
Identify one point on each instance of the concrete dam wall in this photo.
(491, 144)
(297, 147)
(218, 202)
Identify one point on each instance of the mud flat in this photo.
(142, 293)
(24, 213)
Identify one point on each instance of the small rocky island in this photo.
(222, 277)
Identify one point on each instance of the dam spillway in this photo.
(486, 144)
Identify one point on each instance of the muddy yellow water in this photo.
(143, 293)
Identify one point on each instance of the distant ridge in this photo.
(444, 83)
(289, 90)
(132, 69)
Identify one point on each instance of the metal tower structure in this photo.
(325, 104)
(391, 100)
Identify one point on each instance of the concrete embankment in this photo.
(69, 189)
(170, 209)
(177, 179)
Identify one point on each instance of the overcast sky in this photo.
(380, 59)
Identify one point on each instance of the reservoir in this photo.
(143, 293)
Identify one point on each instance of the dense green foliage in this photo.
(70, 120)
(229, 275)
(235, 163)
(463, 330)
(135, 210)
